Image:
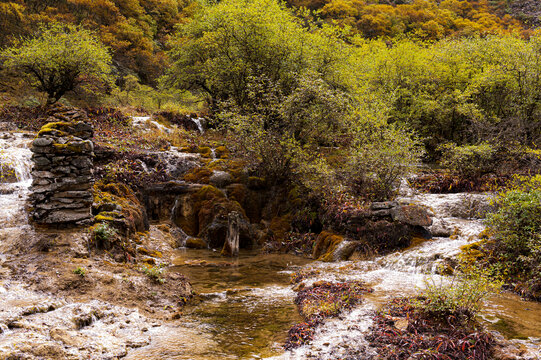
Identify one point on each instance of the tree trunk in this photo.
(231, 245)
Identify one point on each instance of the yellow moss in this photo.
(221, 152)
(68, 147)
(208, 192)
(198, 175)
(219, 164)
(415, 241)
(100, 217)
(255, 182)
(153, 253)
(56, 128)
(325, 245)
(195, 243)
(205, 151)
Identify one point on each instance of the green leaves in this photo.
(60, 58)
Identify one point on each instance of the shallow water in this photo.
(245, 306)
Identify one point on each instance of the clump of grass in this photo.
(460, 298)
(155, 273)
(321, 301)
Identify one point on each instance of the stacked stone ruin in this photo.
(63, 169)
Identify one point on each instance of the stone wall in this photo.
(63, 169)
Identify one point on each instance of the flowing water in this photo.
(245, 306)
(15, 177)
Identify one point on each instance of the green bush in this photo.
(103, 233)
(381, 156)
(461, 298)
(516, 228)
(469, 160)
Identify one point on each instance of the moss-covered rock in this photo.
(204, 213)
(128, 210)
(326, 243)
(196, 243)
(222, 152)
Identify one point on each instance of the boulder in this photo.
(414, 215)
(220, 179)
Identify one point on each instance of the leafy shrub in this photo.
(61, 58)
(469, 160)
(516, 227)
(80, 271)
(381, 156)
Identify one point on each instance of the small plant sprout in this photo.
(155, 273)
(80, 271)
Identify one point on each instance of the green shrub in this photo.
(381, 156)
(468, 160)
(516, 228)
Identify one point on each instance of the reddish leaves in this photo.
(426, 337)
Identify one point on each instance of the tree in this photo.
(59, 59)
(227, 44)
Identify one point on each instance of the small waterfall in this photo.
(199, 124)
(15, 178)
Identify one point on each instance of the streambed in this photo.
(245, 306)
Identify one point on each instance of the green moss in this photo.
(205, 151)
(198, 175)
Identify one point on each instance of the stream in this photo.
(245, 305)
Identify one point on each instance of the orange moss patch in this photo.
(326, 244)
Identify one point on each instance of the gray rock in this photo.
(440, 228)
(220, 179)
(66, 216)
(383, 205)
(42, 141)
(411, 215)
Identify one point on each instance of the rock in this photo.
(61, 183)
(42, 141)
(220, 179)
(411, 215)
(440, 228)
(196, 243)
(65, 216)
(383, 205)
